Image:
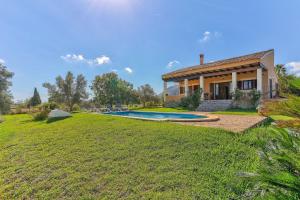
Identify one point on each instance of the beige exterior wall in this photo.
(268, 62)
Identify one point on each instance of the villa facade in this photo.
(219, 79)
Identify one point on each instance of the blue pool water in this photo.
(157, 115)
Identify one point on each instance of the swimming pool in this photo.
(162, 116)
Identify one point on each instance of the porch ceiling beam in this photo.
(217, 72)
(241, 70)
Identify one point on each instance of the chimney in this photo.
(201, 59)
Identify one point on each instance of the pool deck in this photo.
(234, 123)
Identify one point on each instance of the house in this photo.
(218, 80)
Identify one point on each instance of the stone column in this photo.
(259, 80)
(201, 85)
(234, 81)
(186, 87)
(165, 90)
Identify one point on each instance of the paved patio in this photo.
(234, 123)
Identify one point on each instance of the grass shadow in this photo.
(52, 120)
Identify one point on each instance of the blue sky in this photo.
(138, 39)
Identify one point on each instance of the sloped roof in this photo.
(253, 56)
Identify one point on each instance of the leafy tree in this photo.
(127, 94)
(287, 81)
(35, 99)
(67, 91)
(5, 95)
(109, 89)
(147, 94)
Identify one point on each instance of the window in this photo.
(181, 90)
(196, 87)
(190, 90)
(247, 84)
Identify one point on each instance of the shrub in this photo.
(48, 106)
(63, 107)
(278, 174)
(191, 102)
(246, 99)
(76, 108)
(40, 116)
(237, 95)
(254, 96)
(288, 107)
(172, 104)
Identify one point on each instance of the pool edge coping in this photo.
(209, 118)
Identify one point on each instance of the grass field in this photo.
(93, 156)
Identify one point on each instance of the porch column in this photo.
(234, 81)
(201, 83)
(165, 90)
(186, 87)
(259, 80)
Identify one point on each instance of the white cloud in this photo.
(217, 34)
(73, 57)
(128, 70)
(207, 36)
(172, 63)
(2, 61)
(101, 60)
(293, 68)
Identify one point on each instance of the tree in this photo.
(109, 89)
(35, 99)
(67, 91)
(147, 94)
(287, 81)
(5, 95)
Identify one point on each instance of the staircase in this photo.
(214, 105)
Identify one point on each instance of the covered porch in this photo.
(218, 84)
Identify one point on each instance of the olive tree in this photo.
(147, 95)
(68, 91)
(5, 94)
(109, 89)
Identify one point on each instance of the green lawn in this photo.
(90, 156)
(281, 117)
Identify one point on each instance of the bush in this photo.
(289, 107)
(191, 102)
(40, 116)
(76, 108)
(237, 95)
(246, 99)
(172, 104)
(64, 107)
(254, 97)
(278, 174)
(47, 106)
